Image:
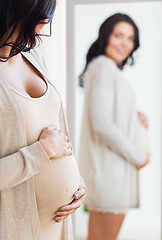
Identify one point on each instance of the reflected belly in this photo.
(55, 186)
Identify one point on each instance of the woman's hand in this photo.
(146, 162)
(143, 119)
(55, 142)
(65, 211)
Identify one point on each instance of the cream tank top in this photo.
(56, 184)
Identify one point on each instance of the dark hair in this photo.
(23, 15)
(99, 46)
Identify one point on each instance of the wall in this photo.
(54, 48)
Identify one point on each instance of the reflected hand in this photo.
(65, 211)
(143, 119)
(145, 163)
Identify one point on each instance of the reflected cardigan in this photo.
(19, 218)
(109, 146)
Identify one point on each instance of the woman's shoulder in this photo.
(36, 53)
(36, 56)
(103, 63)
(101, 69)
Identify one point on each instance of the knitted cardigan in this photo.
(109, 146)
(19, 218)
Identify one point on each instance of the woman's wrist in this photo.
(45, 149)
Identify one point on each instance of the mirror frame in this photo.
(70, 62)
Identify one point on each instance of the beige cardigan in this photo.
(109, 147)
(18, 164)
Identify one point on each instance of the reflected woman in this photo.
(110, 154)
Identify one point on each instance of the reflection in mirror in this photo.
(115, 132)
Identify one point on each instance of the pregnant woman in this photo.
(110, 150)
(40, 185)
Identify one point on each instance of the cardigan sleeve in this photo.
(101, 113)
(22, 165)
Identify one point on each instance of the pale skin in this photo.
(107, 225)
(27, 80)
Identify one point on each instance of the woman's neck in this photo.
(10, 62)
(6, 50)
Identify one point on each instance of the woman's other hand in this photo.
(146, 161)
(143, 119)
(65, 211)
(55, 142)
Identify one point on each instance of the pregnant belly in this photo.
(55, 186)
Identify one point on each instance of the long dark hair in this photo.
(23, 15)
(99, 46)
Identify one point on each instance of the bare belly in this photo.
(55, 187)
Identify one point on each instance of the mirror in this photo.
(143, 223)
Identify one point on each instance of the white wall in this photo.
(145, 78)
(54, 48)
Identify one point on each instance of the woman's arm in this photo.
(28, 161)
(22, 165)
(101, 110)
